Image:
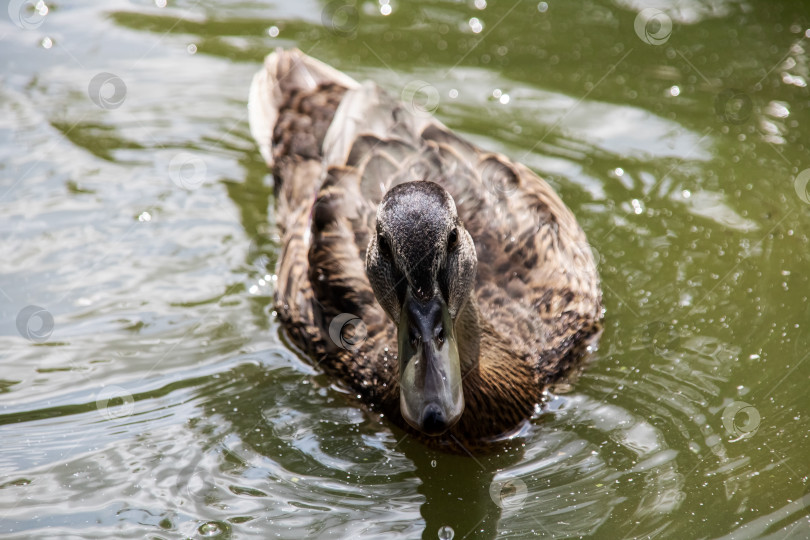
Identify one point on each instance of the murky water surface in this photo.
(151, 393)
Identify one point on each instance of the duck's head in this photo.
(421, 263)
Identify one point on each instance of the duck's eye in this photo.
(452, 239)
(383, 246)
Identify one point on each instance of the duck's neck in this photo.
(468, 335)
(500, 386)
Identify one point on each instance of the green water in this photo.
(153, 394)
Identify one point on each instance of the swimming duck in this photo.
(444, 285)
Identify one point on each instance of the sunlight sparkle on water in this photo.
(476, 26)
(272, 31)
(41, 8)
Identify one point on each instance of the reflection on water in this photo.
(147, 389)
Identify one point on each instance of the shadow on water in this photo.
(460, 492)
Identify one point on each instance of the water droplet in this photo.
(453, 93)
(192, 49)
(433, 463)
(542, 7)
(674, 91)
(480, 4)
(145, 216)
(476, 26)
(497, 93)
(211, 528)
(272, 31)
(446, 532)
(160, 3)
(504, 99)
(637, 209)
(46, 43)
(385, 9)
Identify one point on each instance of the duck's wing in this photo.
(322, 294)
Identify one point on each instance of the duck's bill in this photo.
(431, 395)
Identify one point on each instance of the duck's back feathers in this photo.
(285, 74)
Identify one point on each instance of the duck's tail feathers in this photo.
(285, 73)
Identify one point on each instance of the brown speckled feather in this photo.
(537, 288)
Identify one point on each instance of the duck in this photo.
(446, 286)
